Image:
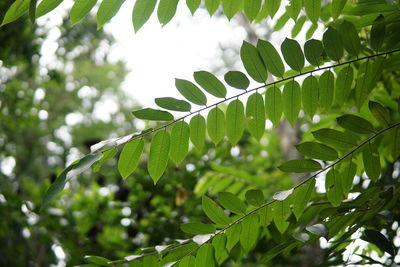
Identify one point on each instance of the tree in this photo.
(350, 137)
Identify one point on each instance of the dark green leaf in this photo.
(32, 10)
(166, 10)
(255, 197)
(337, 7)
(193, 5)
(253, 63)
(153, 114)
(231, 202)
(80, 9)
(377, 238)
(205, 256)
(251, 8)
(216, 125)
(313, 51)
(351, 41)
(333, 44)
(319, 230)
(107, 10)
(309, 95)
(214, 212)
(212, 6)
(333, 187)
(292, 54)
(302, 196)
(348, 170)
(343, 85)
(234, 121)
(198, 131)
(255, 114)
(317, 151)
(313, 9)
(371, 160)
(174, 104)
(191, 92)
(380, 113)
(271, 58)
(237, 79)
(231, 7)
(300, 166)
(46, 6)
(210, 83)
(326, 88)
(273, 104)
(15, 11)
(158, 157)
(249, 233)
(291, 101)
(179, 142)
(130, 156)
(219, 243)
(378, 31)
(355, 124)
(197, 228)
(281, 212)
(335, 138)
(142, 11)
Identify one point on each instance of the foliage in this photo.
(347, 105)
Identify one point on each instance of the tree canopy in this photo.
(310, 153)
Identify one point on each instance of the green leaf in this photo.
(355, 124)
(317, 151)
(188, 261)
(319, 230)
(153, 114)
(46, 6)
(197, 127)
(378, 31)
(395, 139)
(193, 5)
(313, 51)
(326, 88)
(231, 7)
(191, 92)
(333, 187)
(380, 113)
(158, 157)
(219, 243)
(351, 41)
(254, 197)
(71, 171)
(335, 138)
(251, 8)
(142, 11)
(300, 166)
(197, 228)
(205, 256)
(214, 212)
(237, 79)
(310, 32)
(281, 22)
(130, 156)
(343, 85)
(309, 95)
(333, 44)
(234, 121)
(371, 160)
(253, 63)
(97, 260)
(292, 54)
(294, 8)
(80, 9)
(377, 238)
(151, 261)
(313, 9)
(179, 142)
(291, 101)
(108, 154)
(174, 104)
(249, 233)
(273, 104)
(231, 202)
(337, 7)
(281, 212)
(32, 10)
(212, 6)
(15, 11)
(348, 170)
(272, 6)
(233, 235)
(298, 26)
(177, 253)
(107, 10)
(255, 114)
(166, 10)
(302, 196)
(271, 58)
(216, 125)
(210, 83)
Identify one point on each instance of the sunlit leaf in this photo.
(166, 10)
(197, 127)
(371, 160)
(255, 115)
(233, 235)
(197, 228)
(272, 6)
(234, 121)
(15, 11)
(298, 26)
(355, 124)
(210, 83)
(212, 6)
(142, 11)
(231, 7)
(293, 54)
(179, 142)
(317, 151)
(249, 233)
(294, 8)
(214, 212)
(107, 10)
(158, 157)
(191, 92)
(153, 114)
(309, 95)
(205, 256)
(273, 104)
(97, 260)
(46, 6)
(291, 97)
(271, 58)
(231, 202)
(313, 51)
(219, 243)
(253, 63)
(188, 261)
(337, 7)
(251, 8)
(193, 5)
(108, 154)
(80, 9)
(313, 9)
(326, 88)
(130, 156)
(333, 44)
(300, 166)
(282, 195)
(216, 125)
